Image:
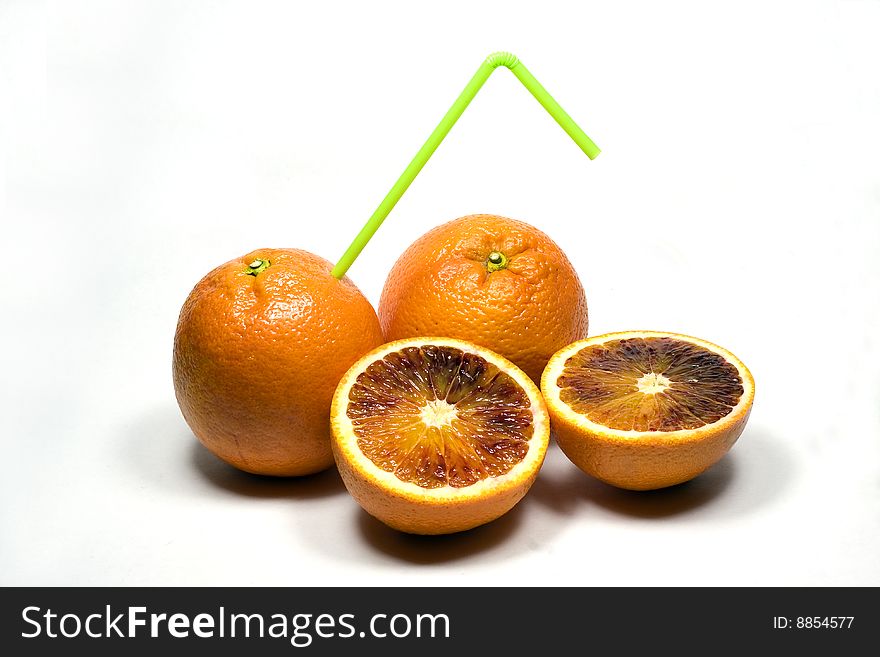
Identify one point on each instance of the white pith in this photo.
(438, 413)
(652, 383)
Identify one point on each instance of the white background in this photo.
(737, 199)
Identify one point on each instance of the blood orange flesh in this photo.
(650, 384)
(434, 416)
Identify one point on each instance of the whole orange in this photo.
(261, 344)
(498, 282)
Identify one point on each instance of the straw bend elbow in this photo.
(502, 58)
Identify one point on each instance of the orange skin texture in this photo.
(257, 359)
(647, 463)
(527, 311)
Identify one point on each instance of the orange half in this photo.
(646, 409)
(434, 435)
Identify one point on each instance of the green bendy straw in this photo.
(493, 61)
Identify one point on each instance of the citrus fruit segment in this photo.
(494, 281)
(645, 409)
(260, 346)
(434, 435)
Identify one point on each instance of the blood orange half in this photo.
(645, 409)
(434, 435)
